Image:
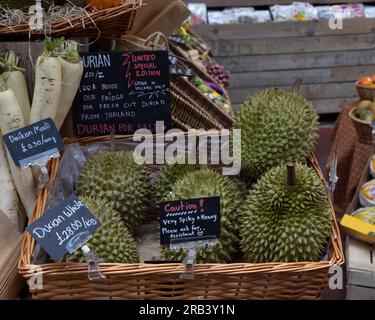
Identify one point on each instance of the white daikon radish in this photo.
(8, 194)
(71, 72)
(47, 90)
(11, 119)
(15, 80)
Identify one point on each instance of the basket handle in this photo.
(153, 40)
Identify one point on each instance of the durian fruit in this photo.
(207, 183)
(285, 222)
(117, 179)
(276, 127)
(168, 174)
(112, 242)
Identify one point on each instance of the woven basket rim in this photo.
(92, 17)
(358, 85)
(354, 118)
(26, 269)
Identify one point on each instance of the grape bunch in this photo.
(218, 72)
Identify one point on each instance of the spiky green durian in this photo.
(285, 223)
(116, 178)
(276, 127)
(207, 183)
(112, 242)
(168, 174)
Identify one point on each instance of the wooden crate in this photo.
(276, 53)
(360, 270)
(10, 249)
(360, 256)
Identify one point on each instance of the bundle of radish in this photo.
(47, 90)
(9, 199)
(58, 73)
(71, 72)
(15, 80)
(11, 119)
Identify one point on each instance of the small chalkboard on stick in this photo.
(64, 228)
(121, 92)
(189, 220)
(34, 142)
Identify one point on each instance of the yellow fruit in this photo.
(366, 81)
(363, 104)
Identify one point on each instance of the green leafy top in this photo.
(52, 46)
(71, 53)
(10, 62)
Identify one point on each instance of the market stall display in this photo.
(121, 205)
(125, 278)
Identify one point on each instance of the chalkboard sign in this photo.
(189, 220)
(38, 140)
(121, 92)
(64, 228)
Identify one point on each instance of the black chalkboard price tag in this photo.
(189, 220)
(173, 71)
(177, 39)
(121, 92)
(34, 142)
(64, 228)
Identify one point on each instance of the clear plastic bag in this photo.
(297, 11)
(198, 13)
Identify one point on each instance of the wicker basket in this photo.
(363, 128)
(300, 280)
(365, 92)
(185, 111)
(113, 22)
(197, 69)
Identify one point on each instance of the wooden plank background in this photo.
(275, 54)
(251, 3)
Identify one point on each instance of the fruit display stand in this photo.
(198, 70)
(298, 280)
(276, 53)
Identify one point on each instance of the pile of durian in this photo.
(278, 219)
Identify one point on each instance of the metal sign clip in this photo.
(40, 160)
(192, 248)
(92, 264)
(333, 178)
